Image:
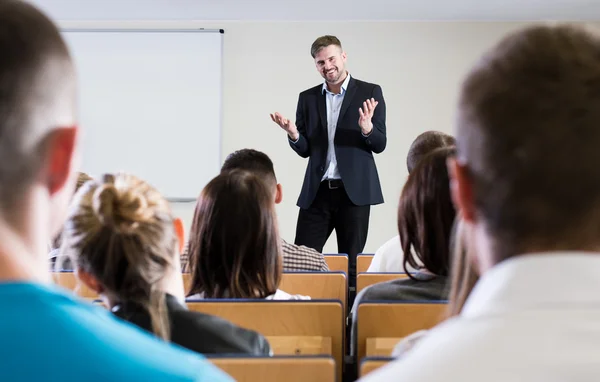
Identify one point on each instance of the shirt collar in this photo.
(538, 280)
(344, 85)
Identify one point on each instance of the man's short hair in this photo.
(424, 144)
(529, 136)
(253, 161)
(323, 42)
(37, 81)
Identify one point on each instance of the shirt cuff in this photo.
(294, 142)
(367, 135)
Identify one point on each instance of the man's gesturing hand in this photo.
(287, 125)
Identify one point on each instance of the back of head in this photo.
(424, 144)
(37, 95)
(253, 161)
(120, 230)
(234, 246)
(528, 135)
(426, 214)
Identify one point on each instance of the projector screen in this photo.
(150, 105)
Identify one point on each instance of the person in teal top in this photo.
(49, 335)
(45, 333)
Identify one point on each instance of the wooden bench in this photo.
(363, 262)
(316, 285)
(337, 262)
(276, 369)
(291, 327)
(370, 364)
(364, 280)
(382, 324)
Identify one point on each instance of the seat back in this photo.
(68, 280)
(363, 262)
(292, 327)
(382, 324)
(370, 364)
(364, 280)
(317, 285)
(276, 369)
(337, 262)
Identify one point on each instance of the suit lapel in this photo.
(348, 97)
(322, 107)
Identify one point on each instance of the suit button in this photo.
(321, 168)
(368, 141)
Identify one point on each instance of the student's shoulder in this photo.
(449, 347)
(103, 340)
(189, 325)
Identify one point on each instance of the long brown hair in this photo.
(234, 247)
(462, 275)
(121, 231)
(426, 214)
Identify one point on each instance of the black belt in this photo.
(334, 183)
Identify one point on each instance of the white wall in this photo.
(266, 64)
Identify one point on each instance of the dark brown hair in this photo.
(424, 144)
(323, 42)
(426, 214)
(235, 249)
(37, 80)
(528, 133)
(121, 231)
(253, 161)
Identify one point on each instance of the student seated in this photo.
(48, 333)
(389, 257)
(425, 219)
(296, 258)
(125, 245)
(526, 182)
(234, 246)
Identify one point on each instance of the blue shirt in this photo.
(334, 104)
(48, 335)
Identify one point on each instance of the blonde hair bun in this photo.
(122, 209)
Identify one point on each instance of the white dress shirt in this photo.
(530, 318)
(333, 105)
(389, 258)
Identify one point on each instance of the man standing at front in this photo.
(339, 125)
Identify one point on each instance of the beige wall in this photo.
(266, 64)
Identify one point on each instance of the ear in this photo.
(61, 145)
(278, 194)
(344, 56)
(89, 281)
(461, 189)
(180, 232)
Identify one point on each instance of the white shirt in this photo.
(333, 105)
(530, 318)
(389, 258)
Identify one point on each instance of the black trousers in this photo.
(332, 209)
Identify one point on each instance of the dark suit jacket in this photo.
(197, 331)
(353, 151)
